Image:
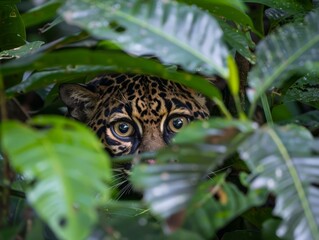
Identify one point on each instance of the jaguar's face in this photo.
(133, 113)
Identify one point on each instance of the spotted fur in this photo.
(148, 104)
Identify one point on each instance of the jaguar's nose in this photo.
(151, 161)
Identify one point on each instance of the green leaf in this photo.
(182, 234)
(257, 216)
(205, 214)
(269, 229)
(42, 79)
(12, 28)
(168, 187)
(304, 89)
(42, 13)
(242, 234)
(88, 61)
(293, 48)
(281, 160)
(292, 6)
(239, 41)
(10, 232)
(55, 159)
(309, 120)
(173, 32)
(277, 15)
(138, 222)
(233, 80)
(283, 113)
(229, 9)
(21, 51)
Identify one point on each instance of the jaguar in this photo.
(133, 113)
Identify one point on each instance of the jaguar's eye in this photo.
(177, 123)
(123, 129)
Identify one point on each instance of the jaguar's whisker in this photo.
(217, 171)
(127, 188)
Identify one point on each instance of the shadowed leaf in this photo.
(82, 61)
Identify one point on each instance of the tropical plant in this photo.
(233, 178)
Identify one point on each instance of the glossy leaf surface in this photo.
(229, 9)
(173, 32)
(168, 187)
(216, 203)
(293, 48)
(293, 6)
(81, 61)
(286, 166)
(55, 159)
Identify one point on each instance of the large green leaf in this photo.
(174, 32)
(293, 48)
(42, 13)
(168, 187)
(282, 161)
(81, 61)
(229, 9)
(216, 203)
(68, 168)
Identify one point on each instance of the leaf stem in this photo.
(4, 205)
(239, 109)
(222, 108)
(266, 108)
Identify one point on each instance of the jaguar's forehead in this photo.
(145, 98)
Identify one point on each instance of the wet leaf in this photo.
(304, 89)
(174, 32)
(292, 6)
(293, 48)
(239, 41)
(282, 161)
(215, 203)
(229, 9)
(169, 184)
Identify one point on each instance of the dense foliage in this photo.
(234, 178)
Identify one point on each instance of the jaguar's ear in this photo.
(79, 99)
